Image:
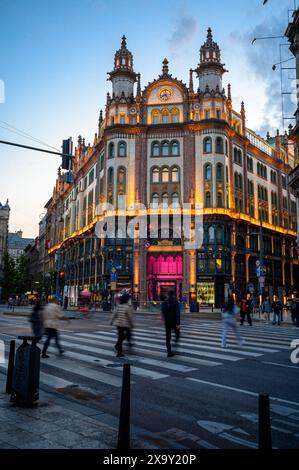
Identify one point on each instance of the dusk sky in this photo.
(55, 56)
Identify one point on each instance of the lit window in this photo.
(165, 175)
(155, 175)
(175, 175)
(122, 119)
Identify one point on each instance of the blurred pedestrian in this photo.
(171, 315)
(52, 316)
(36, 319)
(231, 310)
(277, 311)
(123, 320)
(293, 311)
(246, 309)
(267, 308)
(65, 302)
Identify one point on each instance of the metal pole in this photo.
(265, 439)
(124, 416)
(35, 148)
(11, 366)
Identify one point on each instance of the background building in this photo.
(4, 219)
(164, 147)
(16, 244)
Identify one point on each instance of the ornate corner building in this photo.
(163, 151)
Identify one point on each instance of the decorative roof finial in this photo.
(268, 136)
(209, 35)
(138, 85)
(123, 42)
(101, 116)
(229, 96)
(191, 89)
(165, 69)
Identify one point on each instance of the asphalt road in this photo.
(204, 397)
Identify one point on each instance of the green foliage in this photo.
(15, 279)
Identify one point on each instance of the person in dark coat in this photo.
(277, 311)
(246, 309)
(36, 319)
(171, 315)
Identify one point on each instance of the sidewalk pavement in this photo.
(59, 422)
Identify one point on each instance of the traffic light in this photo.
(67, 151)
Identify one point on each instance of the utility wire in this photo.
(25, 134)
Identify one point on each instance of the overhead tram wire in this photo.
(24, 134)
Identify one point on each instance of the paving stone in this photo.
(38, 427)
(63, 437)
(43, 444)
(5, 445)
(17, 437)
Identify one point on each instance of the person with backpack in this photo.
(171, 316)
(231, 309)
(123, 320)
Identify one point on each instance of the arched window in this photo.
(175, 147)
(110, 185)
(175, 200)
(211, 234)
(111, 150)
(219, 199)
(121, 176)
(175, 115)
(236, 180)
(155, 116)
(165, 175)
(240, 157)
(165, 148)
(219, 171)
(208, 171)
(165, 116)
(110, 175)
(122, 149)
(235, 155)
(219, 145)
(240, 182)
(208, 199)
(226, 147)
(155, 200)
(155, 149)
(175, 175)
(164, 200)
(155, 175)
(207, 145)
(219, 235)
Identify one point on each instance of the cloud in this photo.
(260, 57)
(184, 33)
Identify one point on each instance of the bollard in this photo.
(265, 439)
(11, 365)
(124, 415)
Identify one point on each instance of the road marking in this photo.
(280, 365)
(239, 390)
(220, 429)
(145, 373)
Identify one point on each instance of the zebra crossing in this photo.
(90, 356)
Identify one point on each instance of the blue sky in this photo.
(54, 56)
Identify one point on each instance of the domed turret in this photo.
(210, 69)
(123, 76)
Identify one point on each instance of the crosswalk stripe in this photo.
(250, 331)
(184, 342)
(193, 340)
(84, 372)
(178, 349)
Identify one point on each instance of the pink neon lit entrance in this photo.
(165, 273)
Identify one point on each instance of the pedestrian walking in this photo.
(277, 311)
(267, 308)
(246, 309)
(36, 319)
(123, 320)
(171, 316)
(65, 302)
(52, 316)
(293, 311)
(231, 310)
